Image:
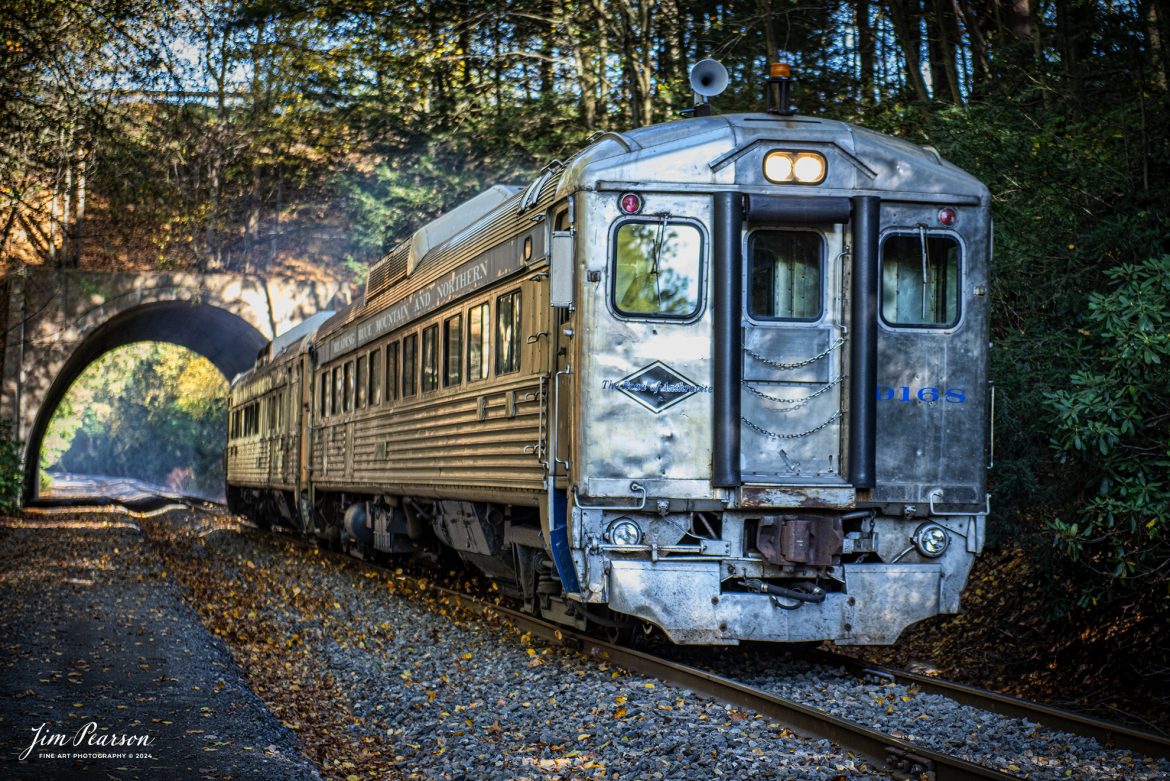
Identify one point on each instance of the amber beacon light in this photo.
(785, 167)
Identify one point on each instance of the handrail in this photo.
(635, 487)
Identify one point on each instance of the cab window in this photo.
(920, 280)
(785, 279)
(361, 380)
(347, 398)
(392, 371)
(657, 267)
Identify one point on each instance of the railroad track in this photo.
(901, 758)
(1106, 733)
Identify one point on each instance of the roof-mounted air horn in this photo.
(708, 79)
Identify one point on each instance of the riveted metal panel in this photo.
(664, 437)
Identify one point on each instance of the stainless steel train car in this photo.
(726, 376)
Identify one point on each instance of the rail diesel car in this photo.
(726, 376)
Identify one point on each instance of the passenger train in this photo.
(726, 376)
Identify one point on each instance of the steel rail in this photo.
(1106, 733)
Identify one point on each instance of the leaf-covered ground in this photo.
(243, 603)
(381, 677)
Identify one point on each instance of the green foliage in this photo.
(150, 411)
(1113, 425)
(11, 474)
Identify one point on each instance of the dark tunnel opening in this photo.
(227, 341)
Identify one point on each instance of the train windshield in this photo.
(657, 269)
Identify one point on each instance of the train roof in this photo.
(293, 338)
(716, 152)
(701, 153)
(298, 333)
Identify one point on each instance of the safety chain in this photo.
(774, 435)
(795, 403)
(806, 362)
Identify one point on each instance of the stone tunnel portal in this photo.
(225, 339)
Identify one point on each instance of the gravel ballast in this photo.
(450, 696)
(1014, 746)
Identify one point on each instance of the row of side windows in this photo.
(246, 421)
(455, 349)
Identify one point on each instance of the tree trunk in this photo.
(1155, 43)
(977, 34)
(905, 15)
(548, 31)
(945, 37)
(582, 53)
(1021, 24)
(634, 20)
(599, 12)
(865, 50)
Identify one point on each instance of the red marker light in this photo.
(631, 203)
(948, 216)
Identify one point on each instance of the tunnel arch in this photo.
(225, 339)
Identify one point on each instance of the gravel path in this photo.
(94, 631)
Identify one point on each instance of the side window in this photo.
(785, 278)
(453, 350)
(323, 394)
(920, 280)
(361, 380)
(508, 333)
(336, 405)
(409, 361)
(347, 391)
(375, 377)
(430, 358)
(657, 269)
(477, 343)
(392, 371)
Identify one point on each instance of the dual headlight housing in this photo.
(782, 166)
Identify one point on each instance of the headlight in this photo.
(783, 167)
(778, 167)
(809, 168)
(931, 540)
(624, 531)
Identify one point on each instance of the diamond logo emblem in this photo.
(657, 387)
